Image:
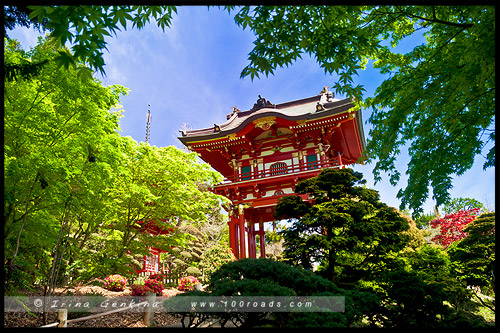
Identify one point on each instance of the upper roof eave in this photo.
(293, 110)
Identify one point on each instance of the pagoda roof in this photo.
(301, 109)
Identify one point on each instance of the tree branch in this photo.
(436, 20)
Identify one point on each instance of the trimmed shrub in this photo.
(115, 282)
(266, 277)
(155, 286)
(193, 271)
(187, 283)
(139, 290)
(157, 276)
(301, 281)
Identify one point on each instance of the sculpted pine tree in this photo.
(189, 256)
(346, 229)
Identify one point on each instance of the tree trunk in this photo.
(331, 255)
(49, 288)
(331, 265)
(24, 221)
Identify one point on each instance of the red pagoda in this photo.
(265, 151)
(151, 263)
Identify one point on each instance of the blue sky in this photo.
(190, 74)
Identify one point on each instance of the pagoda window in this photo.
(245, 173)
(312, 161)
(278, 168)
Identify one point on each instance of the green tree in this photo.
(188, 258)
(157, 185)
(417, 291)
(214, 257)
(347, 229)
(457, 204)
(474, 255)
(423, 220)
(55, 142)
(454, 65)
(214, 228)
(438, 98)
(78, 197)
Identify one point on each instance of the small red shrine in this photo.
(151, 262)
(265, 151)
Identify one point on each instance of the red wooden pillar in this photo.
(301, 160)
(252, 248)
(249, 239)
(241, 227)
(233, 235)
(236, 249)
(262, 239)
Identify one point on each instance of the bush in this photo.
(97, 282)
(193, 271)
(139, 290)
(214, 258)
(115, 282)
(301, 281)
(157, 276)
(155, 286)
(266, 277)
(187, 283)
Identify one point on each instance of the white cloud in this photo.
(28, 37)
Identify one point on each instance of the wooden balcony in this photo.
(279, 169)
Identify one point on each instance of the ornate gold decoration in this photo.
(265, 123)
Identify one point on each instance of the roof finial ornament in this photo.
(325, 90)
(261, 102)
(235, 110)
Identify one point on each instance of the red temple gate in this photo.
(265, 151)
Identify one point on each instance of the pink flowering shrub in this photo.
(157, 276)
(115, 282)
(154, 286)
(150, 285)
(139, 290)
(187, 283)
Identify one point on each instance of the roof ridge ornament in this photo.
(261, 102)
(235, 110)
(329, 95)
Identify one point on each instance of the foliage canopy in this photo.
(79, 199)
(437, 99)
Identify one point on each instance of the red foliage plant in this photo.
(451, 226)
